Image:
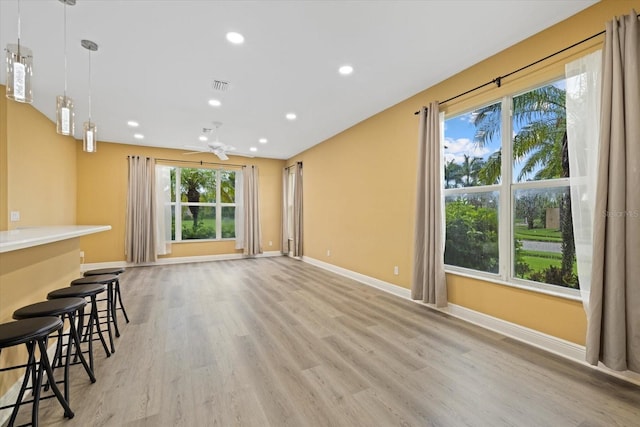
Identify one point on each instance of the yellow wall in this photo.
(102, 198)
(41, 169)
(4, 213)
(359, 186)
(38, 178)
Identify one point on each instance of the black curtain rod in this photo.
(201, 163)
(498, 80)
(290, 166)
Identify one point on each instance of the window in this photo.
(506, 188)
(203, 204)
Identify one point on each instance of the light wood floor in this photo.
(277, 342)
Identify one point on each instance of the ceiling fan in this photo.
(216, 147)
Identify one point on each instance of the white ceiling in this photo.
(157, 60)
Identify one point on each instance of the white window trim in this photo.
(506, 233)
(178, 204)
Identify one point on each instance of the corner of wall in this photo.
(4, 214)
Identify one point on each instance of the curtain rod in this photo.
(498, 80)
(290, 166)
(201, 163)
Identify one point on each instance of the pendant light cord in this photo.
(65, 51)
(19, 30)
(89, 86)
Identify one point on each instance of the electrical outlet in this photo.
(82, 254)
(15, 216)
(270, 243)
(328, 252)
(396, 271)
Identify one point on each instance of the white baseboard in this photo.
(549, 343)
(176, 260)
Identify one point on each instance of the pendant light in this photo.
(65, 124)
(19, 70)
(90, 130)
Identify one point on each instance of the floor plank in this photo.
(277, 342)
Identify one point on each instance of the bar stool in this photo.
(111, 270)
(85, 291)
(32, 332)
(109, 280)
(64, 308)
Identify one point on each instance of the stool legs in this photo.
(44, 360)
(95, 319)
(30, 370)
(75, 338)
(120, 300)
(37, 384)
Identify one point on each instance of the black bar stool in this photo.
(64, 308)
(109, 280)
(111, 270)
(85, 291)
(32, 332)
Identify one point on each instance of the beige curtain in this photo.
(251, 205)
(140, 244)
(613, 328)
(297, 212)
(284, 239)
(428, 282)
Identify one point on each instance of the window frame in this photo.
(178, 204)
(506, 189)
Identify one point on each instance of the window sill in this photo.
(566, 293)
(177, 242)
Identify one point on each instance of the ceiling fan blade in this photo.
(221, 154)
(193, 152)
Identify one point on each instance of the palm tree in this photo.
(452, 174)
(193, 183)
(470, 168)
(540, 144)
(542, 117)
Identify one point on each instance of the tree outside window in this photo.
(204, 203)
(534, 187)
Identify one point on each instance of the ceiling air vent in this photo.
(220, 85)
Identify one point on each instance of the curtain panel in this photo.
(613, 314)
(284, 237)
(252, 233)
(163, 210)
(428, 281)
(140, 241)
(583, 86)
(298, 229)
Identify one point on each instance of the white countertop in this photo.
(27, 237)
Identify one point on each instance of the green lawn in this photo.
(539, 260)
(537, 234)
(540, 263)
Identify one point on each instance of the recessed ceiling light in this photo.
(138, 136)
(133, 124)
(215, 103)
(235, 38)
(291, 116)
(263, 140)
(345, 70)
(253, 149)
(203, 138)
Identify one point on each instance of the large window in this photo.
(203, 204)
(506, 187)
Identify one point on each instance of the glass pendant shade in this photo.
(89, 137)
(65, 123)
(19, 71)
